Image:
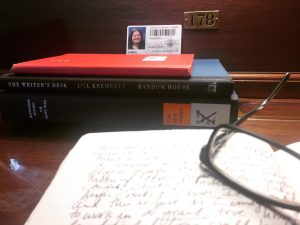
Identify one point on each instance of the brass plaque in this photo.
(201, 19)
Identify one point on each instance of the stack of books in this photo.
(120, 91)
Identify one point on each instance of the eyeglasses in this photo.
(251, 164)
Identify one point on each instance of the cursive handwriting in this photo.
(160, 185)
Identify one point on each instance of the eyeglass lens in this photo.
(253, 163)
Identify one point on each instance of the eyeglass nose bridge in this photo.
(204, 156)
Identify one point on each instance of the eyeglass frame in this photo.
(205, 159)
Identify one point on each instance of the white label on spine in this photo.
(155, 58)
(209, 115)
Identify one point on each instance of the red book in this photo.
(109, 65)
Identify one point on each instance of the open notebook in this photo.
(145, 177)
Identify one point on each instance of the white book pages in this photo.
(145, 177)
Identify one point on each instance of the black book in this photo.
(209, 78)
(121, 112)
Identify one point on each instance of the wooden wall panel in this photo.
(256, 35)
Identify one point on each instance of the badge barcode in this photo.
(162, 32)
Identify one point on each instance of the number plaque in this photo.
(201, 19)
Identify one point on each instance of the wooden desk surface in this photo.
(30, 156)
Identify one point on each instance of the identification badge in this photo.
(154, 39)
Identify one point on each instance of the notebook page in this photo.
(290, 165)
(145, 177)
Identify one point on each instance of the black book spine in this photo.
(210, 86)
(119, 111)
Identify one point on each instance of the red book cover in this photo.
(109, 65)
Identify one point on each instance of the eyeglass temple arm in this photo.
(264, 103)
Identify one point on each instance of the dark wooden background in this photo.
(256, 35)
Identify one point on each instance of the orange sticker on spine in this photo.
(177, 114)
